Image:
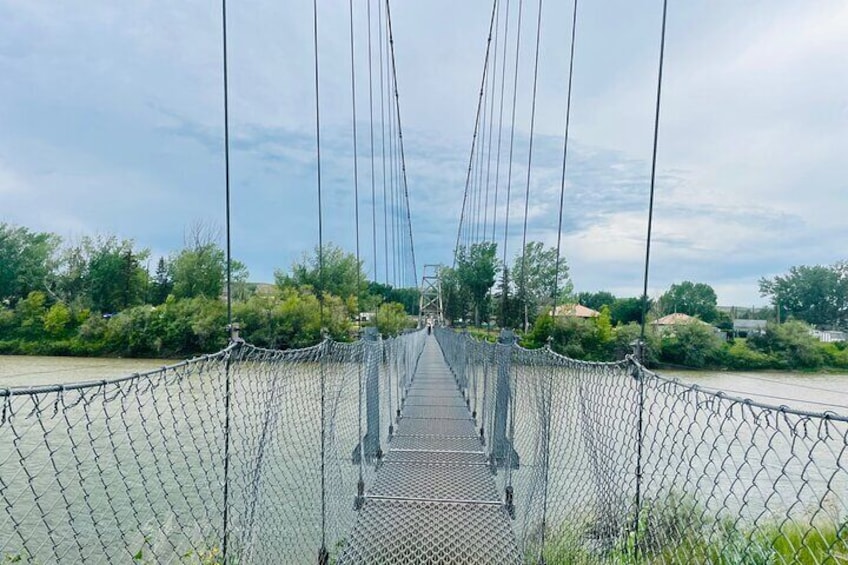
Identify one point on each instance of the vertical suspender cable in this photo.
(641, 407)
(465, 201)
(413, 266)
(361, 483)
(555, 290)
(494, 76)
(226, 492)
(555, 295)
(323, 554)
(511, 149)
(500, 120)
(529, 167)
(371, 120)
(383, 143)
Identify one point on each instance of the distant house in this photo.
(575, 311)
(666, 324)
(747, 328)
(829, 336)
(674, 319)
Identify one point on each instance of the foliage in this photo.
(790, 344)
(292, 318)
(506, 306)
(26, 261)
(103, 273)
(391, 319)
(476, 269)
(343, 275)
(198, 271)
(694, 344)
(693, 299)
(817, 295)
(538, 273)
(380, 293)
(595, 300)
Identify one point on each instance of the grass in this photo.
(676, 531)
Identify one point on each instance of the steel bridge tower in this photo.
(430, 302)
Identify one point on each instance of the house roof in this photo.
(676, 318)
(576, 311)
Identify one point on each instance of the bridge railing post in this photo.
(502, 452)
(369, 443)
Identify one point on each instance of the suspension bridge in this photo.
(429, 447)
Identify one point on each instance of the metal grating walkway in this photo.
(434, 499)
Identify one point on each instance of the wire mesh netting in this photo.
(594, 462)
(612, 463)
(133, 469)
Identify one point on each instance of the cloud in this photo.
(112, 121)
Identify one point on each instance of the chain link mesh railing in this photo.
(133, 470)
(612, 463)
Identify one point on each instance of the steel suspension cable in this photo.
(500, 120)
(465, 202)
(653, 173)
(494, 76)
(323, 554)
(529, 168)
(371, 123)
(555, 295)
(383, 144)
(511, 150)
(555, 290)
(639, 437)
(400, 143)
(224, 544)
(361, 482)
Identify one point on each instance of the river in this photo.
(816, 392)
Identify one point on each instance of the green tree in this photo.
(596, 300)
(476, 268)
(791, 344)
(508, 310)
(391, 319)
(694, 344)
(103, 273)
(30, 312)
(161, 285)
(817, 295)
(27, 261)
(456, 301)
(693, 299)
(627, 310)
(198, 271)
(57, 319)
(343, 275)
(536, 275)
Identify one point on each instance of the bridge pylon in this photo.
(430, 306)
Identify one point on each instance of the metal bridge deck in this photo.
(434, 499)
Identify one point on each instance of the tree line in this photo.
(480, 290)
(102, 296)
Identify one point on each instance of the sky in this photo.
(111, 122)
